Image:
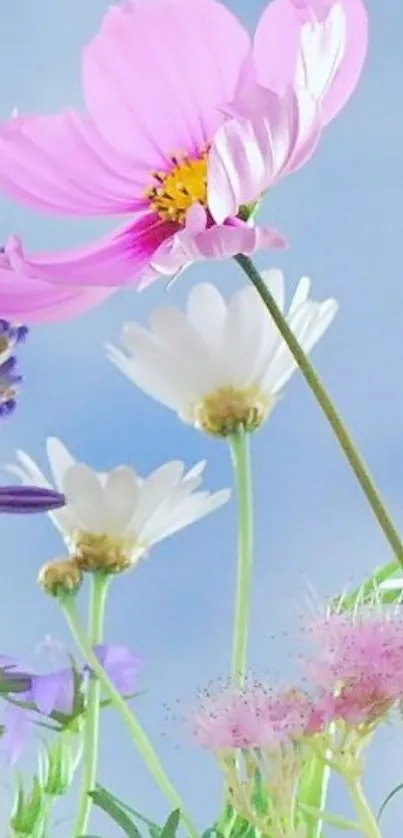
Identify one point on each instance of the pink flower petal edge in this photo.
(277, 47)
(25, 299)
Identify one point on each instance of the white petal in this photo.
(324, 316)
(392, 585)
(158, 370)
(182, 350)
(301, 294)
(192, 510)
(196, 470)
(322, 47)
(28, 471)
(60, 459)
(121, 493)
(206, 311)
(162, 384)
(154, 491)
(86, 496)
(283, 364)
(274, 280)
(247, 328)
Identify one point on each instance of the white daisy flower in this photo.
(112, 519)
(221, 365)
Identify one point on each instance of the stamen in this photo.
(181, 187)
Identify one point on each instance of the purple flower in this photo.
(121, 665)
(22, 500)
(59, 695)
(10, 378)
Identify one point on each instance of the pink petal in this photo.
(156, 73)
(277, 43)
(117, 259)
(249, 155)
(32, 301)
(61, 163)
(218, 242)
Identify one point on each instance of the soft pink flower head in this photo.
(253, 717)
(187, 122)
(360, 662)
(25, 297)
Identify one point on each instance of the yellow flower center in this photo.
(103, 552)
(227, 409)
(184, 185)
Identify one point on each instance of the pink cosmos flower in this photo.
(187, 125)
(25, 298)
(360, 662)
(253, 717)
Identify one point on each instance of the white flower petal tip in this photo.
(112, 519)
(221, 365)
(392, 585)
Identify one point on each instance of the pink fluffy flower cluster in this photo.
(188, 124)
(357, 677)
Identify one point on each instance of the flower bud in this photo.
(58, 764)
(63, 576)
(29, 813)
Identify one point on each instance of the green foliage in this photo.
(153, 829)
(123, 816)
(29, 811)
(104, 801)
(170, 827)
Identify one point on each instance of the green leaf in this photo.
(104, 801)
(370, 588)
(153, 828)
(170, 827)
(107, 702)
(388, 799)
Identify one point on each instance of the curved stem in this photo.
(366, 817)
(98, 594)
(239, 444)
(137, 733)
(357, 464)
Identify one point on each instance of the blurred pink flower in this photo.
(167, 140)
(25, 297)
(253, 717)
(360, 662)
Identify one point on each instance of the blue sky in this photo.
(343, 215)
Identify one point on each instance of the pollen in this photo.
(178, 189)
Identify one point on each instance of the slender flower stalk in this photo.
(138, 735)
(358, 466)
(239, 443)
(366, 817)
(99, 591)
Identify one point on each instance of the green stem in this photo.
(98, 594)
(138, 735)
(239, 443)
(357, 464)
(366, 817)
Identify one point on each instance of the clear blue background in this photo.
(343, 215)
